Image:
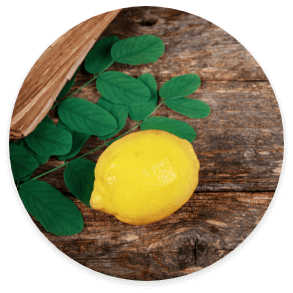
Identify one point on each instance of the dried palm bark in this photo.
(50, 73)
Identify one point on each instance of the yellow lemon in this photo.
(145, 176)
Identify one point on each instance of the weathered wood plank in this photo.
(192, 44)
(204, 230)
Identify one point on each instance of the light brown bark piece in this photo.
(50, 73)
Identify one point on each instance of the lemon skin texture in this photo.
(145, 176)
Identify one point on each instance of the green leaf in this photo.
(68, 86)
(179, 128)
(120, 112)
(138, 113)
(78, 140)
(27, 177)
(57, 214)
(99, 57)
(138, 50)
(79, 177)
(191, 108)
(120, 88)
(41, 159)
(180, 86)
(47, 139)
(22, 161)
(86, 117)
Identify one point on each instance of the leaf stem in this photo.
(63, 165)
(163, 100)
(137, 125)
(99, 147)
(43, 174)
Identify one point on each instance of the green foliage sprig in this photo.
(122, 96)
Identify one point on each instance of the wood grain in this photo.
(204, 230)
(239, 146)
(51, 72)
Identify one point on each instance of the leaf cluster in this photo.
(122, 96)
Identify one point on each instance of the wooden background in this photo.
(239, 146)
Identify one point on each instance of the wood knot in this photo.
(184, 250)
(177, 251)
(249, 153)
(149, 22)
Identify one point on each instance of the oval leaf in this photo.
(138, 113)
(120, 88)
(191, 108)
(85, 117)
(138, 50)
(180, 86)
(99, 57)
(27, 177)
(79, 177)
(41, 159)
(57, 214)
(179, 128)
(47, 139)
(78, 140)
(120, 112)
(22, 161)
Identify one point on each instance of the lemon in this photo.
(145, 176)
